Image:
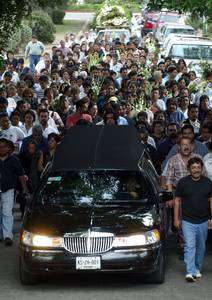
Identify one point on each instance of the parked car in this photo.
(171, 38)
(173, 28)
(169, 17)
(166, 17)
(192, 49)
(99, 208)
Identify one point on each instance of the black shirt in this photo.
(194, 198)
(10, 170)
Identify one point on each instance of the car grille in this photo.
(88, 245)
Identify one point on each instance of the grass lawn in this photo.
(69, 26)
(87, 7)
(93, 7)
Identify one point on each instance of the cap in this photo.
(113, 99)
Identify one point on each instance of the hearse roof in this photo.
(99, 147)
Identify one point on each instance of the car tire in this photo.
(27, 278)
(158, 276)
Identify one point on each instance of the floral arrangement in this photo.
(96, 86)
(139, 104)
(112, 14)
(206, 67)
(193, 86)
(152, 46)
(93, 60)
(199, 85)
(145, 72)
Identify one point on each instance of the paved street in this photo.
(79, 16)
(101, 287)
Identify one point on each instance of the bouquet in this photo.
(112, 14)
(93, 60)
(139, 104)
(96, 87)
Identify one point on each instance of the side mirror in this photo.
(166, 196)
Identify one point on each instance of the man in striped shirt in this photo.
(177, 164)
(177, 169)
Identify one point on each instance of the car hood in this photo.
(119, 220)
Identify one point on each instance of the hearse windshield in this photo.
(90, 187)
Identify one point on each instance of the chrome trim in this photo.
(47, 251)
(89, 242)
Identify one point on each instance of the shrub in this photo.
(96, 2)
(20, 37)
(42, 25)
(57, 16)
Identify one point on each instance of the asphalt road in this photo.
(79, 16)
(107, 287)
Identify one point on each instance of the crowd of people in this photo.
(90, 82)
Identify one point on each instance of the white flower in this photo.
(104, 19)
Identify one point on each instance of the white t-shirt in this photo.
(26, 132)
(13, 134)
(40, 66)
(49, 130)
(207, 160)
(11, 104)
(161, 104)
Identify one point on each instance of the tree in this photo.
(194, 7)
(42, 25)
(20, 37)
(51, 3)
(11, 15)
(13, 11)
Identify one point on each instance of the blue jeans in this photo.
(6, 214)
(33, 60)
(195, 236)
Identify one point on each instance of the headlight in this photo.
(148, 238)
(36, 240)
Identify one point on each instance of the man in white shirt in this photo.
(123, 74)
(156, 102)
(42, 64)
(193, 117)
(4, 106)
(43, 118)
(87, 38)
(34, 50)
(207, 160)
(9, 132)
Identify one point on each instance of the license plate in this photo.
(88, 263)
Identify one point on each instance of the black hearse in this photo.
(98, 208)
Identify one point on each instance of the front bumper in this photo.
(60, 261)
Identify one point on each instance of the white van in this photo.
(191, 49)
(174, 28)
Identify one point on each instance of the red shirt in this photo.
(72, 119)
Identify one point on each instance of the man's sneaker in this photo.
(190, 278)
(8, 242)
(198, 275)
